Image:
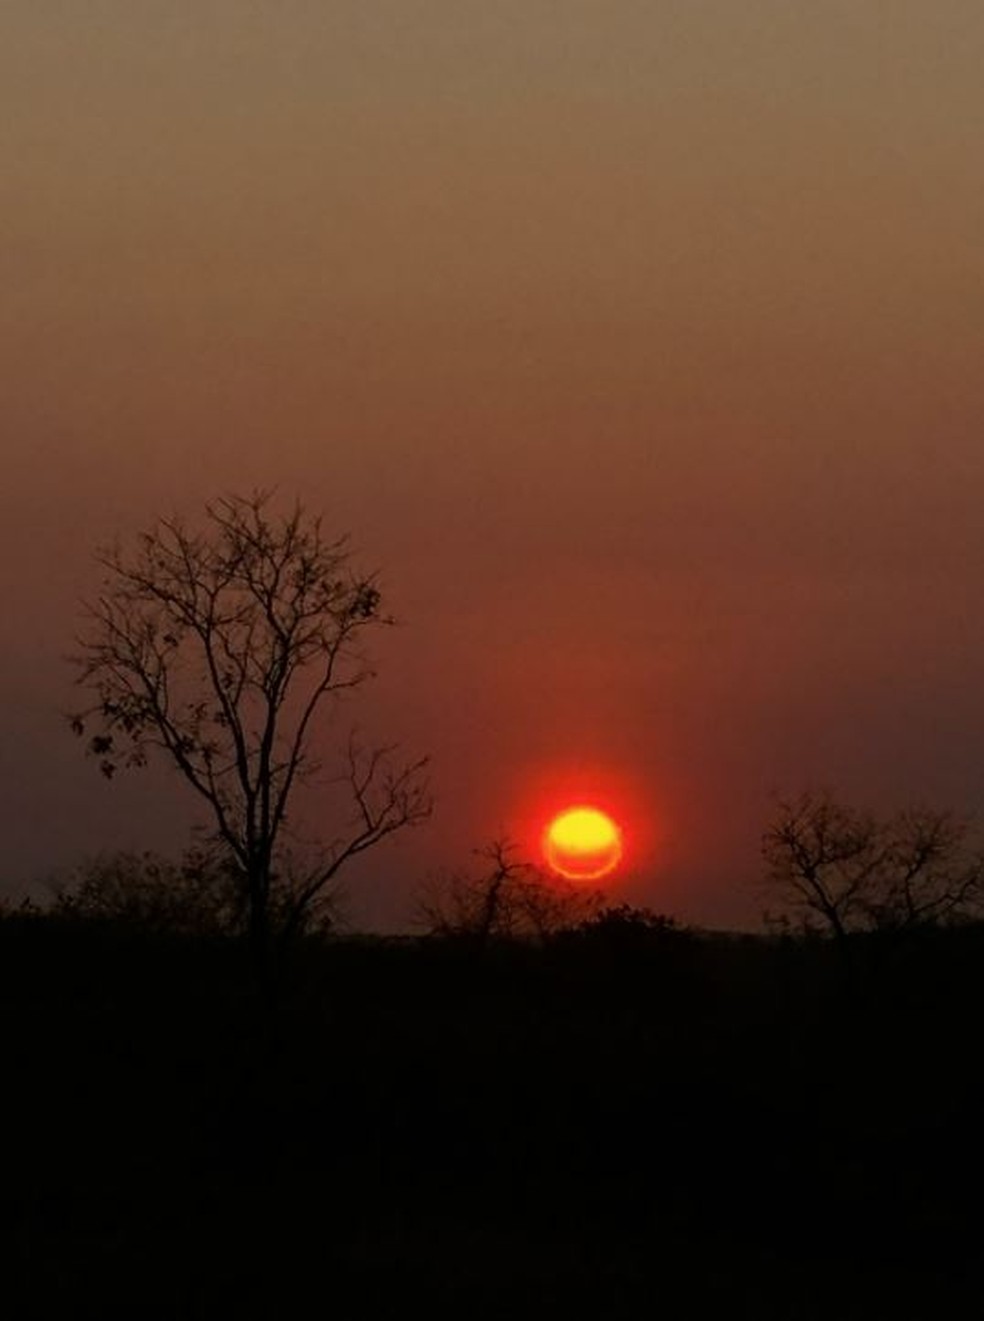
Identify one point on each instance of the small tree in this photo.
(851, 871)
(821, 857)
(221, 648)
(933, 873)
(508, 898)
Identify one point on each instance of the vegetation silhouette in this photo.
(853, 871)
(543, 1104)
(844, 872)
(622, 1115)
(509, 897)
(220, 648)
(198, 896)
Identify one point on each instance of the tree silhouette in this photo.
(508, 897)
(853, 871)
(220, 649)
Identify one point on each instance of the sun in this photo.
(582, 844)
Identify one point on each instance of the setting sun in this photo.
(583, 844)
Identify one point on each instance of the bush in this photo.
(199, 895)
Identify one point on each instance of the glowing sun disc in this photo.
(583, 844)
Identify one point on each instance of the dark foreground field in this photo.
(628, 1124)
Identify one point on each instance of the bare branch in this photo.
(508, 898)
(856, 872)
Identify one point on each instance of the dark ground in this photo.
(632, 1123)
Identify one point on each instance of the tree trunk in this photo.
(259, 933)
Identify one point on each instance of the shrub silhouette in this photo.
(199, 896)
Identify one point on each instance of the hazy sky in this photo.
(638, 343)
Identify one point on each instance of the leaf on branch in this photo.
(366, 603)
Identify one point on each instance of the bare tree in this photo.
(508, 898)
(222, 648)
(933, 873)
(821, 857)
(852, 871)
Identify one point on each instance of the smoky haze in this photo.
(638, 346)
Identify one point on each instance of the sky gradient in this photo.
(638, 345)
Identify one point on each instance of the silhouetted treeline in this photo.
(628, 1117)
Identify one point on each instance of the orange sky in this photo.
(639, 344)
